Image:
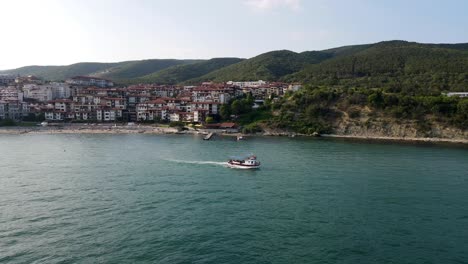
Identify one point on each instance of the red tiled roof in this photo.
(227, 125)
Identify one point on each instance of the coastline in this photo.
(399, 139)
(147, 129)
(89, 129)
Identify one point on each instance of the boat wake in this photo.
(217, 163)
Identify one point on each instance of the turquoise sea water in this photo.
(169, 199)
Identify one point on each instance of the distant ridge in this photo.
(182, 73)
(432, 66)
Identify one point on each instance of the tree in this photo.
(209, 119)
(249, 99)
(236, 107)
(375, 99)
(225, 111)
(7, 122)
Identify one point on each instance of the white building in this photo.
(11, 93)
(47, 92)
(41, 93)
(206, 107)
(247, 84)
(89, 81)
(174, 117)
(108, 114)
(11, 103)
(459, 94)
(209, 94)
(60, 90)
(294, 87)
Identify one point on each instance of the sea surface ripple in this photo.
(171, 199)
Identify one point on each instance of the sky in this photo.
(62, 32)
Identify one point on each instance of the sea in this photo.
(87, 198)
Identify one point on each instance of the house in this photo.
(211, 108)
(212, 94)
(229, 127)
(199, 115)
(108, 114)
(174, 117)
(152, 110)
(47, 92)
(62, 105)
(226, 127)
(11, 93)
(13, 109)
(60, 90)
(41, 93)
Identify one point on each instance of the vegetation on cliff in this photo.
(321, 108)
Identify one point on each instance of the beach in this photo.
(90, 129)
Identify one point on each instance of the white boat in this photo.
(209, 136)
(239, 138)
(249, 162)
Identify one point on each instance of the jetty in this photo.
(209, 136)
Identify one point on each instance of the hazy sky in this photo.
(57, 32)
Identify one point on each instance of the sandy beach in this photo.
(90, 129)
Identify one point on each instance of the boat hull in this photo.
(243, 167)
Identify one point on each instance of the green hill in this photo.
(268, 66)
(390, 88)
(61, 72)
(115, 71)
(347, 50)
(136, 69)
(397, 66)
(181, 73)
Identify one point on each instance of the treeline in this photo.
(237, 107)
(396, 67)
(270, 66)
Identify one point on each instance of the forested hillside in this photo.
(137, 69)
(396, 66)
(182, 73)
(115, 71)
(270, 66)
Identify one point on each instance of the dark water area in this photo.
(170, 199)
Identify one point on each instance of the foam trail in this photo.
(199, 162)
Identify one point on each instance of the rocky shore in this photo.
(396, 133)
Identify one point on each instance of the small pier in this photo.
(209, 136)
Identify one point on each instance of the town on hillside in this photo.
(92, 99)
